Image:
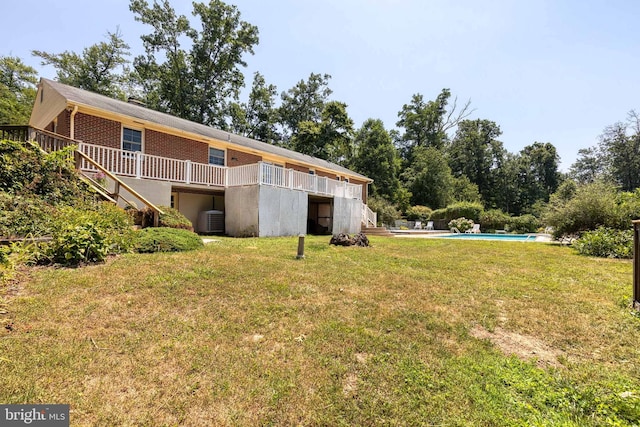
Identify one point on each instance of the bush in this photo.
(606, 242)
(494, 219)
(24, 215)
(169, 218)
(418, 213)
(163, 239)
(462, 224)
(87, 234)
(591, 206)
(523, 224)
(469, 210)
(387, 212)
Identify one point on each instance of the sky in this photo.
(556, 71)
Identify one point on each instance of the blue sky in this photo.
(548, 71)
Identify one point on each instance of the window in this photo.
(216, 157)
(131, 139)
(312, 172)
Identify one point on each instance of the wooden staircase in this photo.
(49, 141)
(377, 231)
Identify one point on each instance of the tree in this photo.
(303, 103)
(331, 138)
(377, 158)
(539, 175)
(620, 144)
(258, 117)
(17, 91)
(476, 153)
(101, 68)
(198, 82)
(429, 178)
(426, 124)
(588, 167)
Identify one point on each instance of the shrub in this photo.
(163, 239)
(494, 219)
(169, 218)
(523, 224)
(462, 224)
(418, 213)
(471, 210)
(24, 215)
(591, 206)
(87, 234)
(387, 211)
(606, 242)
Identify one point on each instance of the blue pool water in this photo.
(487, 236)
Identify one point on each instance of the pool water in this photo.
(487, 236)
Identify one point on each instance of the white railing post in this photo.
(138, 164)
(187, 171)
(225, 184)
(259, 173)
(290, 176)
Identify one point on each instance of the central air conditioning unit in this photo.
(211, 222)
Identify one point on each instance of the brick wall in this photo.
(296, 167)
(96, 130)
(64, 124)
(326, 174)
(238, 158)
(175, 147)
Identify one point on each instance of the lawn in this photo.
(406, 332)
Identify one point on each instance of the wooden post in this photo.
(300, 247)
(636, 264)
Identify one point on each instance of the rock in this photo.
(342, 239)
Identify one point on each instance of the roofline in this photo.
(153, 125)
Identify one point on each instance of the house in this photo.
(249, 188)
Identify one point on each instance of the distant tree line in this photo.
(434, 157)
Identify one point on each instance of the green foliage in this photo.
(22, 216)
(89, 234)
(462, 224)
(469, 210)
(170, 218)
(475, 152)
(163, 239)
(377, 158)
(196, 83)
(593, 205)
(523, 224)
(606, 242)
(494, 219)
(25, 170)
(418, 213)
(102, 68)
(17, 91)
(257, 118)
(386, 211)
(464, 190)
(330, 138)
(429, 178)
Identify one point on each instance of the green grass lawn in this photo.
(407, 332)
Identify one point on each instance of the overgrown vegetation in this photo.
(607, 243)
(164, 239)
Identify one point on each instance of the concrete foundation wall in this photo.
(157, 192)
(283, 212)
(241, 211)
(190, 205)
(347, 215)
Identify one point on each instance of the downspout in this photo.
(72, 123)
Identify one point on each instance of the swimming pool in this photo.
(487, 236)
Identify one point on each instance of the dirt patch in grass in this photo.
(523, 346)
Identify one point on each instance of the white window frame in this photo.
(131, 152)
(224, 156)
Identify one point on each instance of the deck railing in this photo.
(140, 165)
